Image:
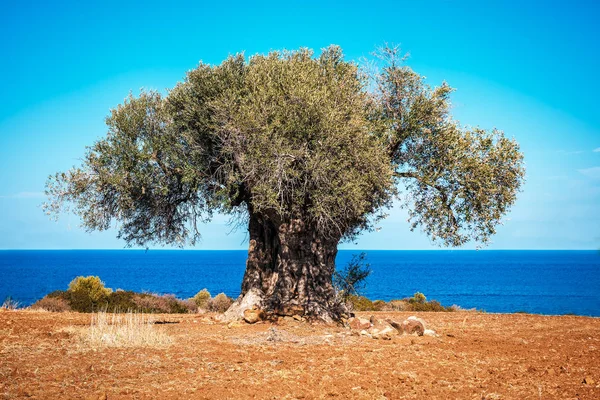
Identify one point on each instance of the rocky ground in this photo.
(470, 356)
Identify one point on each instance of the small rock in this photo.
(385, 334)
(252, 316)
(364, 333)
(298, 317)
(235, 324)
(359, 323)
(411, 326)
(430, 332)
(588, 380)
(422, 321)
(397, 326)
(372, 319)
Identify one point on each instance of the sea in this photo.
(495, 281)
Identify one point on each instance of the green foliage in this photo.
(359, 303)
(165, 304)
(202, 298)
(220, 303)
(432, 305)
(120, 301)
(352, 279)
(419, 303)
(380, 305)
(459, 182)
(416, 303)
(89, 286)
(418, 298)
(293, 136)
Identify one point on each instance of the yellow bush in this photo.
(202, 299)
(92, 286)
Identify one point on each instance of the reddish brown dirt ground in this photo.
(476, 356)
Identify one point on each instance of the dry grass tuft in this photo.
(9, 304)
(125, 330)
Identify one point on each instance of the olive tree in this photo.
(305, 150)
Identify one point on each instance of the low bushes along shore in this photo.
(89, 294)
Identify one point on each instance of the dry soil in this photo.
(475, 356)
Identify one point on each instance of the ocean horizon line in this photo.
(245, 250)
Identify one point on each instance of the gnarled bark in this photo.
(289, 271)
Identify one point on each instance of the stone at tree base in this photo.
(252, 316)
(359, 323)
(251, 300)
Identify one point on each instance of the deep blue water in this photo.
(546, 282)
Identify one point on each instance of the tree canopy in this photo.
(293, 136)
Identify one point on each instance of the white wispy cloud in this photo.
(24, 195)
(593, 172)
(570, 152)
(597, 150)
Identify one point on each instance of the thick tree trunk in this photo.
(289, 272)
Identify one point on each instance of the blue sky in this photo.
(526, 68)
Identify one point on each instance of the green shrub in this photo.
(429, 306)
(90, 286)
(419, 303)
(380, 305)
(88, 294)
(359, 303)
(352, 279)
(418, 298)
(53, 304)
(120, 301)
(163, 304)
(202, 298)
(220, 303)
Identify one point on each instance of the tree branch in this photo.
(440, 190)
